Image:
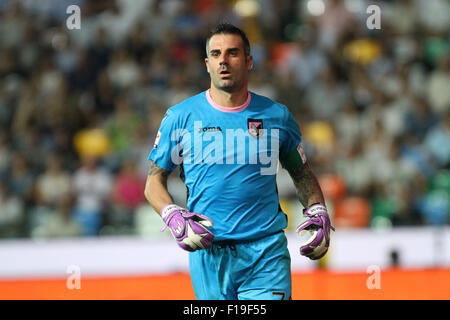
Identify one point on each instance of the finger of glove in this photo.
(319, 251)
(199, 235)
(202, 243)
(206, 222)
(199, 218)
(198, 242)
(198, 228)
(306, 250)
(327, 230)
(316, 240)
(304, 225)
(185, 244)
(191, 240)
(316, 255)
(195, 236)
(308, 223)
(326, 225)
(321, 255)
(207, 240)
(327, 222)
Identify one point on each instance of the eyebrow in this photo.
(229, 49)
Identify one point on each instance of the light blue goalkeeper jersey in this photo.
(228, 159)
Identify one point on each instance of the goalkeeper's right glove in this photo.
(187, 228)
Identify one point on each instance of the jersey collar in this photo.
(225, 109)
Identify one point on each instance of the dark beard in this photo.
(229, 88)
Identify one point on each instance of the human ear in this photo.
(207, 65)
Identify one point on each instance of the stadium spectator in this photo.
(20, 178)
(58, 222)
(436, 141)
(334, 24)
(328, 95)
(91, 186)
(5, 155)
(404, 16)
(127, 195)
(438, 84)
(420, 118)
(54, 183)
(308, 62)
(11, 213)
(121, 126)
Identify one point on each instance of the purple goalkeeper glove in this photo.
(319, 224)
(187, 228)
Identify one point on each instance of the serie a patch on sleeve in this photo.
(158, 137)
(301, 152)
(295, 159)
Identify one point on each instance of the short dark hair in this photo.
(228, 28)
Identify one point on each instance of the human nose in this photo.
(223, 59)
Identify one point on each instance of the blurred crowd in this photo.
(80, 108)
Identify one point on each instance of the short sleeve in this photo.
(290, 141)
(291, 136)
(165, 143)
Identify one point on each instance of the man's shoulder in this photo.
(271, 106)
(188, 104)
(183, 110)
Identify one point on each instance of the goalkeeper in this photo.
(233, 224)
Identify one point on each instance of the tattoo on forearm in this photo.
(154, 170)
(308, 188)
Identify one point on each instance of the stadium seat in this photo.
(352, 212)
(333, 186)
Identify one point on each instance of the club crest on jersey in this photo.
(255, 127)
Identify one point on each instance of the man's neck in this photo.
(229, 99)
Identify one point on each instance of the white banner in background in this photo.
(351, 250)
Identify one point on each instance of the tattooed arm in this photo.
(311, 197)
(156, 191)
(308, 188)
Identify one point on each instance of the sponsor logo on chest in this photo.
(209, 129)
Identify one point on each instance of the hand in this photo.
(319, 223)
(187, 228)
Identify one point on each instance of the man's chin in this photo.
(227, 85)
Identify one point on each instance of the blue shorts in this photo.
(253, 270)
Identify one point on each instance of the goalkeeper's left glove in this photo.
(319, 224)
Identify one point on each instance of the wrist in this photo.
(315, 208)
(168, 211)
